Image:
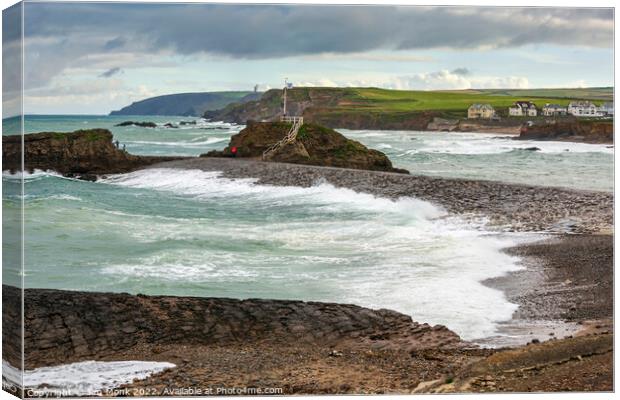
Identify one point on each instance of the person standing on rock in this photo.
(233, 150)
(117, 144)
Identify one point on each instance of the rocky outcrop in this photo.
(315, 145)
(82, 154)
(573, 131)
(66, 326)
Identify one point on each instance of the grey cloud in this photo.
(271, 31)
(461, 71)
(114, 43)
(264, 31)
(111, 72)
(11, 48)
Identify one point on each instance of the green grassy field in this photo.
(382, 100)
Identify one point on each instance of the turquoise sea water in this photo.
(189, 232)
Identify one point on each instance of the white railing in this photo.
(292, 119)
(289, 138)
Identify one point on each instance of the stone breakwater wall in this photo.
(67, 326)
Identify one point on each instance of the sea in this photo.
(190, 232)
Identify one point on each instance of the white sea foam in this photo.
(469, 143)
(87, 378)
(30, 176)
(191, 143)
(344, 246)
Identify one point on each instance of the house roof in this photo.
(581, 103)
(524, 104)
(480, 107)
(553, 106)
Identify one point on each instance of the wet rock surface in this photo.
(571, 130)
(509, 207)
(568, 278)
(68, 326)
(81, 154)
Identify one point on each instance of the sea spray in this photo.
(86, 378)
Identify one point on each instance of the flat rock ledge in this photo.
(69, 326)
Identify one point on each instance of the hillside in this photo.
(186, 104)
(373, 108)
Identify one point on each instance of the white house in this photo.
(523, 108)
(606, 108)
(553, 110)
(583, 109)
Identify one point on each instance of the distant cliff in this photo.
(186, 104)
(81, 154)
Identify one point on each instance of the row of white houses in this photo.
(528, 109)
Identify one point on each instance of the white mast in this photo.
(285, 86)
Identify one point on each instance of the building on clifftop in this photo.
(583, 109)
(480, 111)
(553, 110)
(607, 109)
(523, 109)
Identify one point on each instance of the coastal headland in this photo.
(383, 109)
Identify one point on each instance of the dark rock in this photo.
(67, 326)
(170, 125)
(82, 154)
(570, 130)
(145, 124)
(315, 145)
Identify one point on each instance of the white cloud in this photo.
(88, 96)
(437, 80)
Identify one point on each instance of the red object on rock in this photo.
(233, 150)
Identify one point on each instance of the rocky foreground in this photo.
(67, 326)
(82, 154)
(227, 346)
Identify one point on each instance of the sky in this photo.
(91, 58)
